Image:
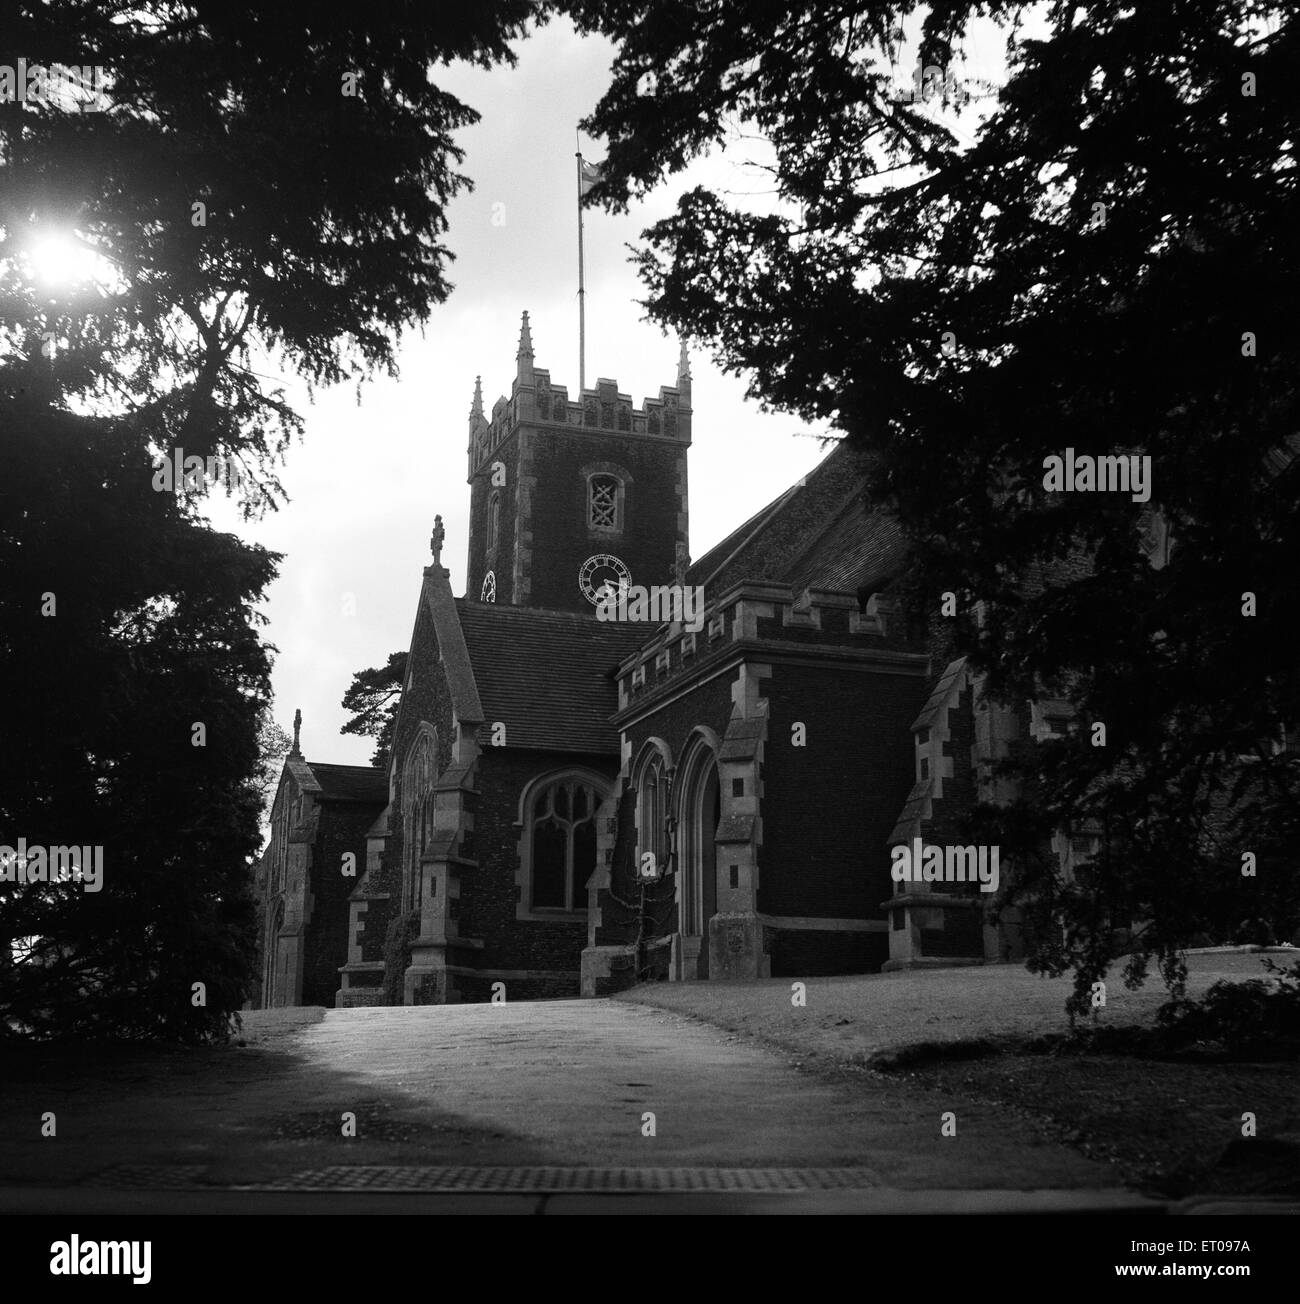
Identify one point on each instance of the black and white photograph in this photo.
(649, 608)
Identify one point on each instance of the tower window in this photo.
(493, 522)
(605, 502)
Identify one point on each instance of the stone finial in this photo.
(524, 358)
(297, 733)
(684, 374)
(435, 540)
(476, 408)
(681, 563)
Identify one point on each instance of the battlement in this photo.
(537, 401)
(809, 622)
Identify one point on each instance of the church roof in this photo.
(547, 675)
(856, 550)
(702, 571)
(349, 783)
(821, 533)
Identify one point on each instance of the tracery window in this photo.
(605, 502)
(652, 812)
(562, 838)
(419, 775)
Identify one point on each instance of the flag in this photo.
(588, 175)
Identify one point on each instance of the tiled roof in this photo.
(913, 812)
(702, 571)
(546, 675)
(942, 695)
(819, 534)
(350, 783)
(856, 550)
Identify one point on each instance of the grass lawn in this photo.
(1172, 1127)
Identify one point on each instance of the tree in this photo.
(131, 636)
(273, 745)
(260, 183)
(373, 697)
(1109, 267)
(224, 190)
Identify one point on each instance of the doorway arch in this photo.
(699, 809)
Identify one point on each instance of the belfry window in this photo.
(605, 502)
(493, 522)
(562, 831)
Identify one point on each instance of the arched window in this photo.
(488, 593)
(652, 812)
(493, 522)
(561, 834)
(605, 502)
(419, 775)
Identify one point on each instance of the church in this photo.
(586, 791)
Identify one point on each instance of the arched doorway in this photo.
(698, 814)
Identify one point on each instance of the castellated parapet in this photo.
(535, 400)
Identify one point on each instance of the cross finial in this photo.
(297, 732)
(435, 540)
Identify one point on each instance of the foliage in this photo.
(273, 745)
(1258, 1019)
(402, 931)
(151, 632)
(373, 698)
(242, 217)
(323, 211)
(1108, 265)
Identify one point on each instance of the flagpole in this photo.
(582, 295)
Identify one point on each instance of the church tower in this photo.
(568, 494)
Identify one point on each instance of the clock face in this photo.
(601, 570)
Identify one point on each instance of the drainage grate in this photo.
(539, 1180)
(152, 1177)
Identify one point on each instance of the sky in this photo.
(368, 478)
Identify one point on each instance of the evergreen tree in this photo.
(373, 697)
(224, 190)
(1109, 265)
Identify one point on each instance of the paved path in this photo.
(569, 1082)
